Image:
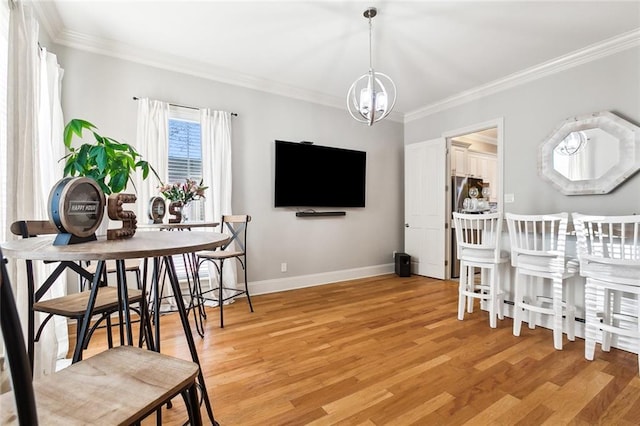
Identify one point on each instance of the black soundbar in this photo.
(316, 214)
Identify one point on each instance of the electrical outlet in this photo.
(283, 267)
(393, 256)
(509, 198)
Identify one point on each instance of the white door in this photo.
(424, 206)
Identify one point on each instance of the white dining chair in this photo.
(609, 253)
(538, 256)
(478, 239)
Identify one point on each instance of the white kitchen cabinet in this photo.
(484, 166)
(459, 166)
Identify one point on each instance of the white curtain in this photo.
(216, 172)
(34, 131)
(152, 143)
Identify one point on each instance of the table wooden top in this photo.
(141, 245)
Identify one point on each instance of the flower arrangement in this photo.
(185, 192)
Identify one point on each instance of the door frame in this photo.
(498, 123)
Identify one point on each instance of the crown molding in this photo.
(198, 69)
(590, 53)
(48, 17)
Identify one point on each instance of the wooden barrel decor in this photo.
(157, 209)
(76, 208)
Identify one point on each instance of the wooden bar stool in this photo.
(478, 237)
(235, 248)
(538, 253)
(71, 306)
(609, 253)
(119, 386)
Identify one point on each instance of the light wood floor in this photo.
(389, 350)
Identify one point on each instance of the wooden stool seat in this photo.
(75, 305)
(119, 386)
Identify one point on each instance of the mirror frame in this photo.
(628, 135)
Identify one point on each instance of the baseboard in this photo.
(302, 281)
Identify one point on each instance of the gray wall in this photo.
(100, 89)
(532, 111)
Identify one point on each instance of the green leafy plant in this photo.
(108, 162)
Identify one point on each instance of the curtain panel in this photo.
(216, 171)
(34, 134)
(152, 142)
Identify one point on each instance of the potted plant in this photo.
(180, 195)
(107, 161)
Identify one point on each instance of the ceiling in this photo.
(435, 51)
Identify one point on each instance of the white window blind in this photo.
(185, 153)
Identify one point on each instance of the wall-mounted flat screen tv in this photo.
(308, 175)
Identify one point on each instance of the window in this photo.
(185, 162)
(185, 153)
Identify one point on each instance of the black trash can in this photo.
(403, 265)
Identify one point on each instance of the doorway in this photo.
(475, 156)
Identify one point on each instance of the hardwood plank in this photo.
(390, 350)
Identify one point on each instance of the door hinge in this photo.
(446, 226)
(446, 263)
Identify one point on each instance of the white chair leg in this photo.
(557, 313)
(591, 320)
(499, 294)
(492, 299)
(571, 313)
(532, 284)
(638, 328)
(609, 300)
(462, 287)
(471, 286)
(517, 306)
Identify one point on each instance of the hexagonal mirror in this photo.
(590, 154)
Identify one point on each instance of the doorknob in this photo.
(406, 225)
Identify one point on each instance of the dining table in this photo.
(159, 247)
(191, 273)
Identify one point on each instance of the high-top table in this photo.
(159, 246)
(190, 261)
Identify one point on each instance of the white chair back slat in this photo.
(609, 240)
(538, 235)
(478, 233)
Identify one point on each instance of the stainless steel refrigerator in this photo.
(460, 185)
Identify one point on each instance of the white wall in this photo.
(532, 111)
(100, 89)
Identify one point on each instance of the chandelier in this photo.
(572, 143)
(372, 96)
